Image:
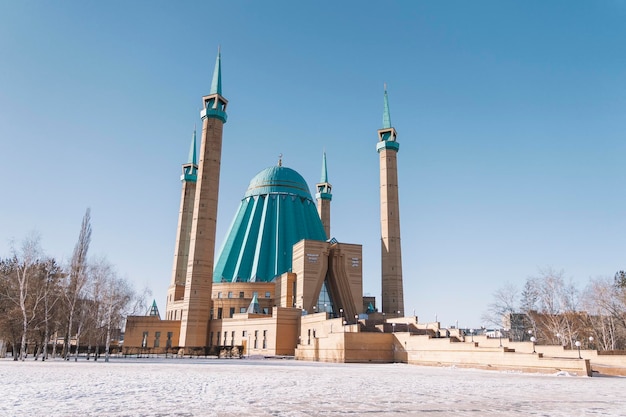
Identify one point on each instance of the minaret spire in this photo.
(386, 114)
(391, 253)
(324, 178)
(324, 197)
(192, 149)
(216, 85)
(190, 169)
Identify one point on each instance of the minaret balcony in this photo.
(388, 144)
(324, 196)
(214, 114)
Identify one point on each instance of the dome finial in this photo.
(280, 159)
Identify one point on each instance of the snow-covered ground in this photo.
(211, 387)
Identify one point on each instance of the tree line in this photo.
(555, 311)
(43, 301)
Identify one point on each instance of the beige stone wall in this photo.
(275, 334)
(310, 264)
(137, 325)
(235, 296)
(285, 290)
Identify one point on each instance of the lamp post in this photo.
(356, 319)
(590, 342)
(500, 336)
(393, 327)
(341, 313)
(578, 346)
(533, 339)
(472, 334)
(558, 336)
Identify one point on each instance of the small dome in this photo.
(278, 180)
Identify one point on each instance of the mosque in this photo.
(283, 286)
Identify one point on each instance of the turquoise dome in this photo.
(276, 212)
(278, 179)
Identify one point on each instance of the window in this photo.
(232, 311)
(266, 310)
(168, 343)
(242, 309)
(219, 314)
(264, 339)
(240, 294)
(144, 340)
(256, 337)
(232, 338)
(219, 294)
(230, 294)
(244, 333)
(267, 294)
(211, 339)
(225, 337)
(309, 338)
(157, 336)
(218, 338)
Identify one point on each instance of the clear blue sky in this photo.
(510, 118)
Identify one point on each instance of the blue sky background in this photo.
(510, 118)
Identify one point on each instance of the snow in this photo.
(288, 388)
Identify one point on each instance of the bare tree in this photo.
(77, 277)
(23, 270)
(504, 304)
(51, 292)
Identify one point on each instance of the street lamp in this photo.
(341, 313)
(356, 319)
(590, 341)
(578, 346)
(393, 327)
(472, 333)
(500, 336)
(532, 339)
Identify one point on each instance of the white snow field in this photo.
(286, 388)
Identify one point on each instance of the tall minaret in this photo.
(391, 259)
(197, 306)
(324, 197)
(185, 217)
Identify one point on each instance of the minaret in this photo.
(391, 257)
(197, 306)
(185, 217)
(324, 197)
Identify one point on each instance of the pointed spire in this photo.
(254, 307)
(386, 114)
(192, 150)
(154, 310)
(324, 170)
(280, 160)
(216, 85)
